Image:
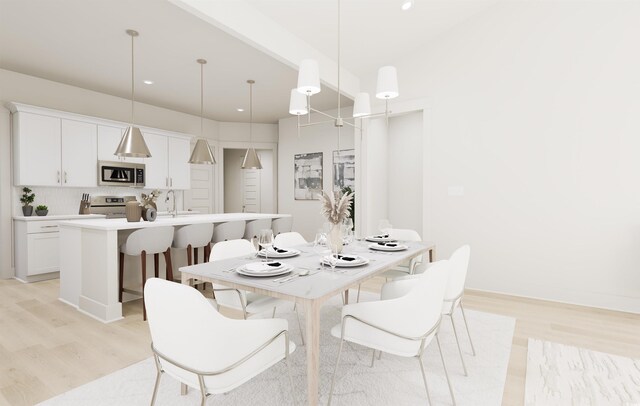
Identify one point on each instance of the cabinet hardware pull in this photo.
(48, 226)
(171, 182)
(65, 176)
(58, 176)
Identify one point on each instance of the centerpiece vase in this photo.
(335, 238)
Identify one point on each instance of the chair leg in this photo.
(358, 297)
(464, 317)
(203, 391)
(157, 384)
(156, 264)
(167, 260)
(184, 389)
(195, 256)
(335, 370)
(121, 280)
(300, 326)
(273, 315)
(189, 257)
(446, 372)
(424, 378)
(207, 252)
(288, 362)
(373, 358)
(143, 268)
(455, 333)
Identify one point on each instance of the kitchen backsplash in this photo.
(61, 200)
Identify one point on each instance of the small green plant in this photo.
(42, 207)
(27, 197)
(352, 208)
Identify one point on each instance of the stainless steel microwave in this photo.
(121, 174)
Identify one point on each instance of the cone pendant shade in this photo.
(132, 144)
(202, 153)
(251, 160)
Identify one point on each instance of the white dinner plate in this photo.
(389, 246)
(264, 274)
(290, 252)
(358, 261)
(379, 238)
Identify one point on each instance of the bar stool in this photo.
(281, 225)
(153, 240)
(231, 230)
(192, 237)
(254, 226)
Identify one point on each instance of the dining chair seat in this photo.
(288, 240)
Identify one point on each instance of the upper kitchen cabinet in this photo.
(52, 151)
(168, 167)
(79, 151)
(108, 140)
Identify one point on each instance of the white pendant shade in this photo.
(387, 83)
(132, 144)
(309, 77)
(362, 105)
(251, 160)
(202, 153)
(297, 103)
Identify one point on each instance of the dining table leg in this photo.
(312, 308)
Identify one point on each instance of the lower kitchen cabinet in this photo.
(37, 250)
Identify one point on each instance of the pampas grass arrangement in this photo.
(336, 210)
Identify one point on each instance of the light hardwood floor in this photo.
(47, 348)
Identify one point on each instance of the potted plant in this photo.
(26, 200)
(42, 210)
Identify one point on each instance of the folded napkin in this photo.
(381, 236)
(388, 244)
(263, 266)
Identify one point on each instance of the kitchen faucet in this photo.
(174, 211)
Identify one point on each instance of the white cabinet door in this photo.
(108, 141)
(157, 171)
(43, 253)
(179, 167)
(38, 150)
(79, 153)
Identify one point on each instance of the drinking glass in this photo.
(266, 241)
(320, 246)
(255, 241)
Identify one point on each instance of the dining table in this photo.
(309, 291)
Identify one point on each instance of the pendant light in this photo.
(132, 143)
(202, 151)
(251, 159)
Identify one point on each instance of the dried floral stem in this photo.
(336, 210)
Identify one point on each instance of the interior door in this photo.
(200, 197)
(251, 190)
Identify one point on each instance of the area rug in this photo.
(392, 381)
(564, 375)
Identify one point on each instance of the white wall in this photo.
(319, 138)
(405, 171)
(374, 149)
(535, 112)
(39, 92)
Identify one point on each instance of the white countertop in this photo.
(122, 224)
(59, 217)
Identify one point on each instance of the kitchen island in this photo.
(89, 252)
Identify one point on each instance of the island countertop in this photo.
(180, 220)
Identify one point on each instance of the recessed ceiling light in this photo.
(241, 110)
(147, 82)
(406, 4)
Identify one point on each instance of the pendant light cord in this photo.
(132, 82)
(251, 114)
(201, 96)
(339, 58)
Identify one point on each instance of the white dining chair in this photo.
(288, 240)
(248, 303)
(459, 261)
(406, 267)
(404, 322)
(204, 350)
(281, 225)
